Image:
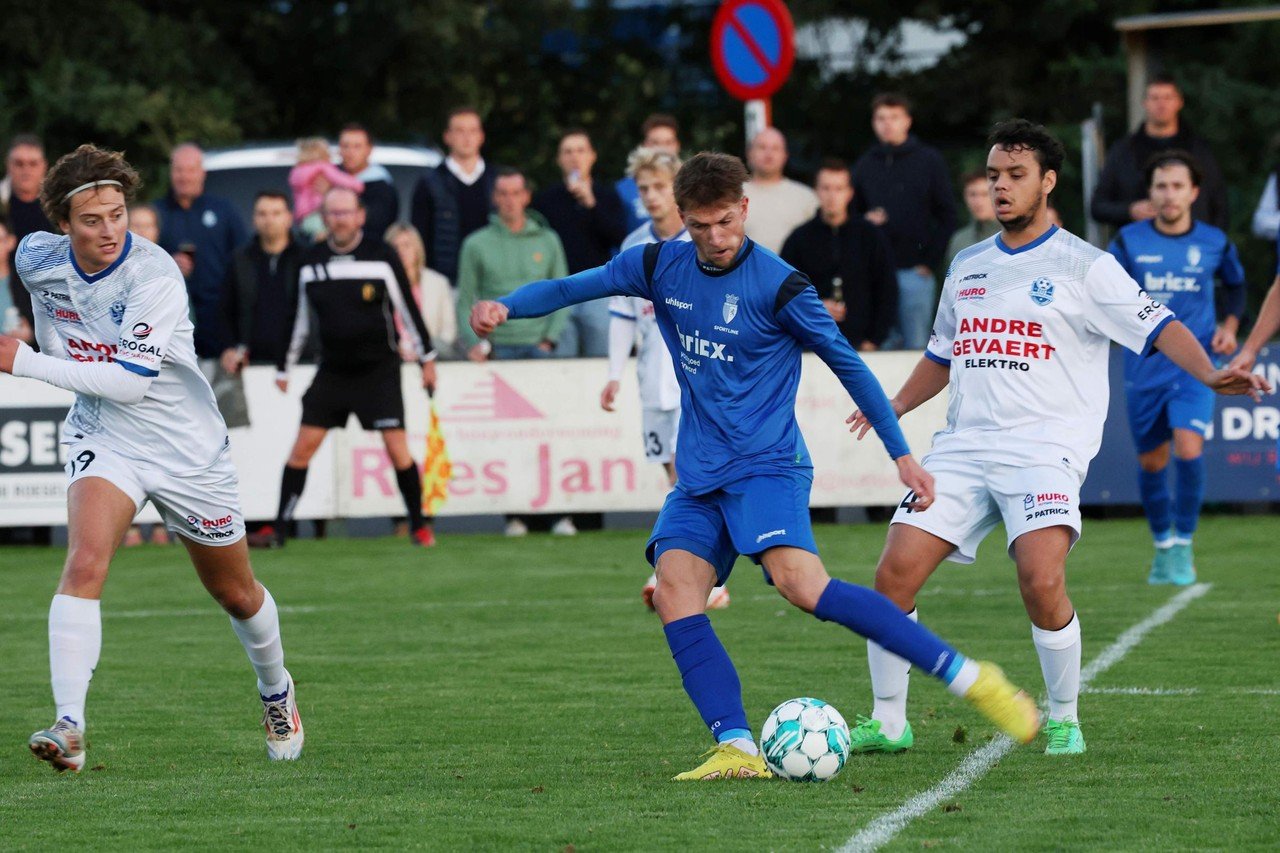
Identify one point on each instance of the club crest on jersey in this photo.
(730, 308)
(1193, 256)
(368, 291)
(117, 312)
(1028, 502)
(1042, 291)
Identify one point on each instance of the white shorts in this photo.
(202, 505)
(974, 496)
(660, 427)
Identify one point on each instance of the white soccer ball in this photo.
(805, 740)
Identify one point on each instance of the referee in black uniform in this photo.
(353, 286)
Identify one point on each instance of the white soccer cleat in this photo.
(62, 745)
(284, 726)
(515, 527)
(718, 599)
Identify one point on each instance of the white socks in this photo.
(889, 676)
(260, 636)
(745, 744)
(1060, 662)
(75, 642)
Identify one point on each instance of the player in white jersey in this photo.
(632, 324)
(112, 323)
(1022, 337)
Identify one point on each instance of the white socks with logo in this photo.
(1060, 662)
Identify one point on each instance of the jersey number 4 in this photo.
(908, 501)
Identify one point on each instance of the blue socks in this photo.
(875, 617)
(1188, 496)
(709, 677)
(1153, 486)
(1181, 512)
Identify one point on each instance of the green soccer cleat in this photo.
(726, 762)
(1003, 704)
(1182, 570)
(865, 736)
(1161, 566)
(1065, 737)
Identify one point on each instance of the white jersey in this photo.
(659, 388)
(133, 313)
(1027, 334)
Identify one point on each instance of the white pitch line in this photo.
(1177, 691)
(883, 829)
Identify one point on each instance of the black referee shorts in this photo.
(372, 394)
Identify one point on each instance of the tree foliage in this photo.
(143, 75)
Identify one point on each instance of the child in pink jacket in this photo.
(314, 175)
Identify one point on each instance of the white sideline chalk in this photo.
(882, 830)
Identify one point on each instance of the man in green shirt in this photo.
(516, 247)
(982, 223)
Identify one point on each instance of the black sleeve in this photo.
(608, 218)
(421, 212)
(412, 316)
(883, 282)
(858, 206)
(791, 251)
(1108, 204)
(1213, 188)
(942, 205)
(233, 303)
(21, 297)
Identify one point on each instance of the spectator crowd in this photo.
(875, 236)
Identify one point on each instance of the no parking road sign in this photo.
(752, 47)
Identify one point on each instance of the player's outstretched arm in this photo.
(108, 380)
(925, 382)
(1178, 343)
(1263, 330)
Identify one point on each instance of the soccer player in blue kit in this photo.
(736, 319)
(1176, 259)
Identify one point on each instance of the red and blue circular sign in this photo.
(752, 47)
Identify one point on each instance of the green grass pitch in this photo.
(498, 694)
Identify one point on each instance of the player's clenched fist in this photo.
(487, 316)
(8, 352)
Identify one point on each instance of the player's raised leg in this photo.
(684, 581)
(910, 557)
(1041, 556)
(226, 574)
(802, 580)
(99, 513)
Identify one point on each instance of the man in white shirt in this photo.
(1022, 339)
(112, 321)
(779, 205)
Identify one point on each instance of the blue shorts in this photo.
(748, 517)
(1154, 413)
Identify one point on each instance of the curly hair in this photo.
(709, 178)
(86, 165)
(1019, 134)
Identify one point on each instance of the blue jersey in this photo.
(1179, 270)
(629, 192)
(736, 336)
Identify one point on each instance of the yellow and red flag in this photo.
(436, 468)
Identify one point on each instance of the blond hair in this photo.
(653, 159)
(312, 148)
(419, 248)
